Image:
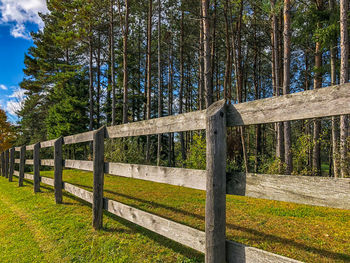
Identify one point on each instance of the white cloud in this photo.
(19, 31)
(15, 101)
(20, 12)
(3, 87)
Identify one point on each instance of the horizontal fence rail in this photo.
(318, 103)
(308, 190)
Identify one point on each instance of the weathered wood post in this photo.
(22, 161)
(3, 164)
(98, 170)
(58, 162)
(12, 163)
(36, 163)
(215, 205)
(7, 163)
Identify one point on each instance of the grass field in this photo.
(32, 225)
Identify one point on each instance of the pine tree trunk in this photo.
(160, 91)
(316, 152)
(98, 92)
(112, 60)
(208, 89)
(344, 71)
(125, 62)
(276, 69)
(91, 85)
(149, 43)
(201, 55)
(227, 80)
(286, 86)
(335, 130)
(182, 140)
(170, 103)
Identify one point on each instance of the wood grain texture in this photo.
(78, 138)
(215, 204)
(98, 173)
(77, 164)
(185, 235)
(29, 161)
(239, 253)
(22, 158)
(47, 144)
(310, 190)
(28, 177)
(78, 192)
(177, 123)
(309, 104)
(58, 169)
(30, 147)
(175, 176)
(47, 162)
(48, 181)
(36, 159)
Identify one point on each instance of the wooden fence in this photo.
(319, 191)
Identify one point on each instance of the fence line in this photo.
(307, 190)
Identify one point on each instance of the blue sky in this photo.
(17, 19)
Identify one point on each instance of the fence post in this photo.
(215, 205)
(7, 163)
(22, 161)
(36, 160)
(12, 163)
(58, 169)
(98, 168)
(2, 164)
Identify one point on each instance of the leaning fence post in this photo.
(98, 168)
(12, 163)
(215, 205)
(7, 163)
(22, 161)
(58, 169)
(36, 163)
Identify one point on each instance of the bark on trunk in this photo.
(286, 86)
(344, 6)
(149, 42)
(160, 91)
(208, 89)
(125, 62)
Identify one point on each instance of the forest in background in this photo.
(107, 62)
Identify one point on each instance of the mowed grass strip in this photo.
(34, 229)
(306, 233)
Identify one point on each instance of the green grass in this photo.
(306, 233)
(34, 229)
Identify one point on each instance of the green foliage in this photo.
(300, 152)
(272, 165)
(196, 155)
(126, 150)
(68, 113)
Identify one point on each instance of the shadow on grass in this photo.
(132, 228)
(260, 236)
